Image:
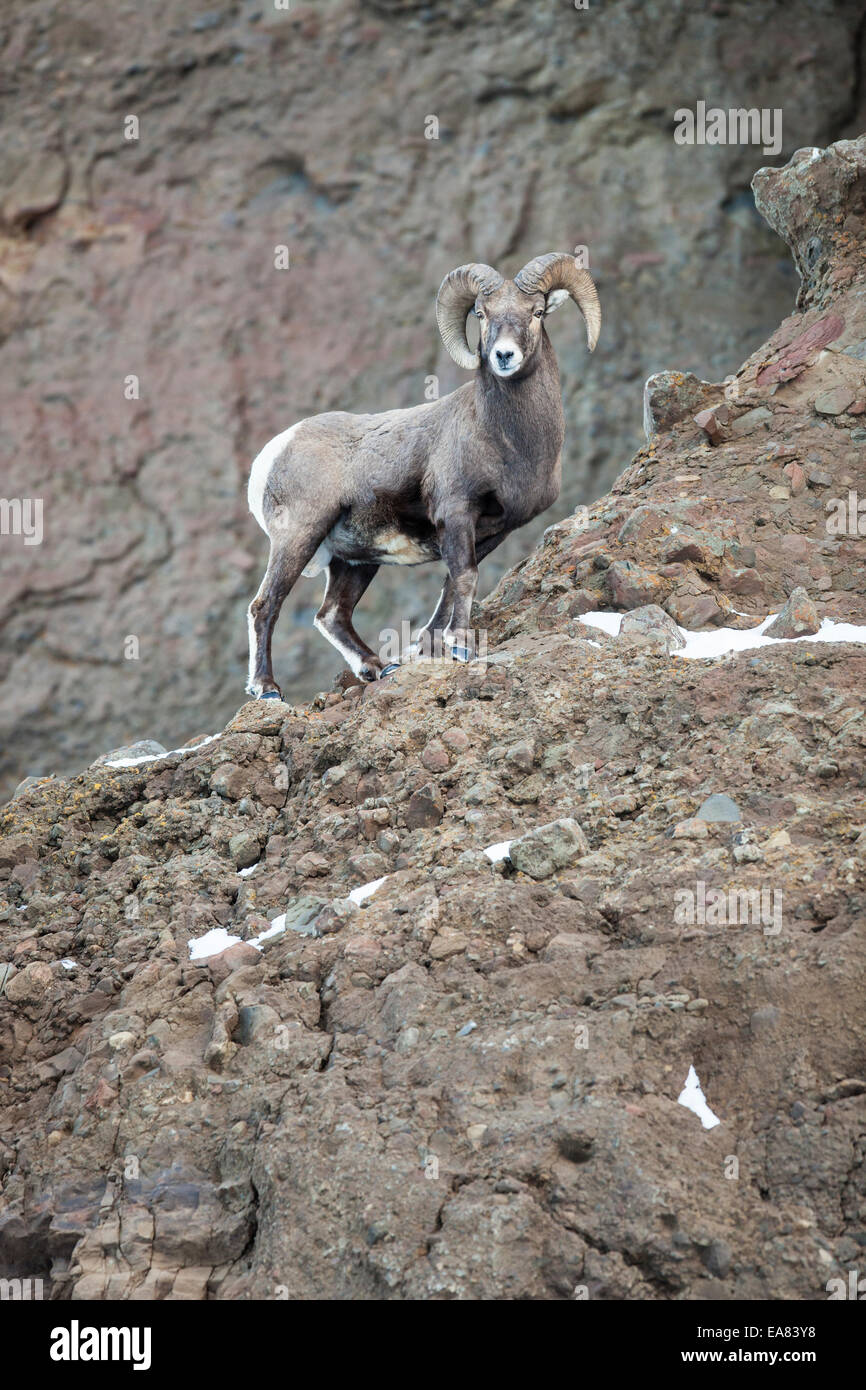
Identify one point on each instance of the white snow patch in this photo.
(157, 757)
(722, 640)
(608, 622)
(496, 853)
(245, 873)
(219, 940)
(693, 1098)
(214, 941)
(68, 963)
(277, 926)
(719, 641)
(359, 895)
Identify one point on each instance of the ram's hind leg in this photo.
(290, 552)
(346, 584)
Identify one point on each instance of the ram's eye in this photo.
(479, 313)
(538, 314)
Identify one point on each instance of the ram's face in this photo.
(510, 323)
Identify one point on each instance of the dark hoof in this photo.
(270, 695)
(461, 654)
(389, 669)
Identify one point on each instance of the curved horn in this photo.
(559, 271)
(457, 293)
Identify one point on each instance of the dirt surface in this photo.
(153, 257)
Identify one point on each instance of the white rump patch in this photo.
(261, 472)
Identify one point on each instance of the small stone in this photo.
(797, 476)
(335, 916)
(747, 854)
(693, 829)
(542, 851)
(711, 422)
(751, 420)
(31, 984)
(780, 839)
(244, 850)
(139, 1064)
(435, 756)
(835, 401)
(633, 586)
(522, 755)
(233, 958)
(798, 618)
(672, 396)
(448, 944)
(527, 791)
(313, 865)
(302, 913)
(38, 189)
(652, 626)
(686, 543)
(719, 807)
(695, 611)
(819, 477)
(425, 809)
(717, 1259)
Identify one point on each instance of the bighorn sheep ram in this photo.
(447, 480)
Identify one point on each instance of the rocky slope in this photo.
(153, 257)
(466, 1085)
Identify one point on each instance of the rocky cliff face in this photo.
(463, 1082)
(153, 257)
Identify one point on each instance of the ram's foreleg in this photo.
(456, 535)
(346, 584)
(445, 623)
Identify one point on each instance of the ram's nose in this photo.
(504, 357)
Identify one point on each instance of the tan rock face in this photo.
(150, 346)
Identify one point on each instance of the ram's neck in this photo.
(523, 418)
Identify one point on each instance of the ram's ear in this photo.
(554, 299)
